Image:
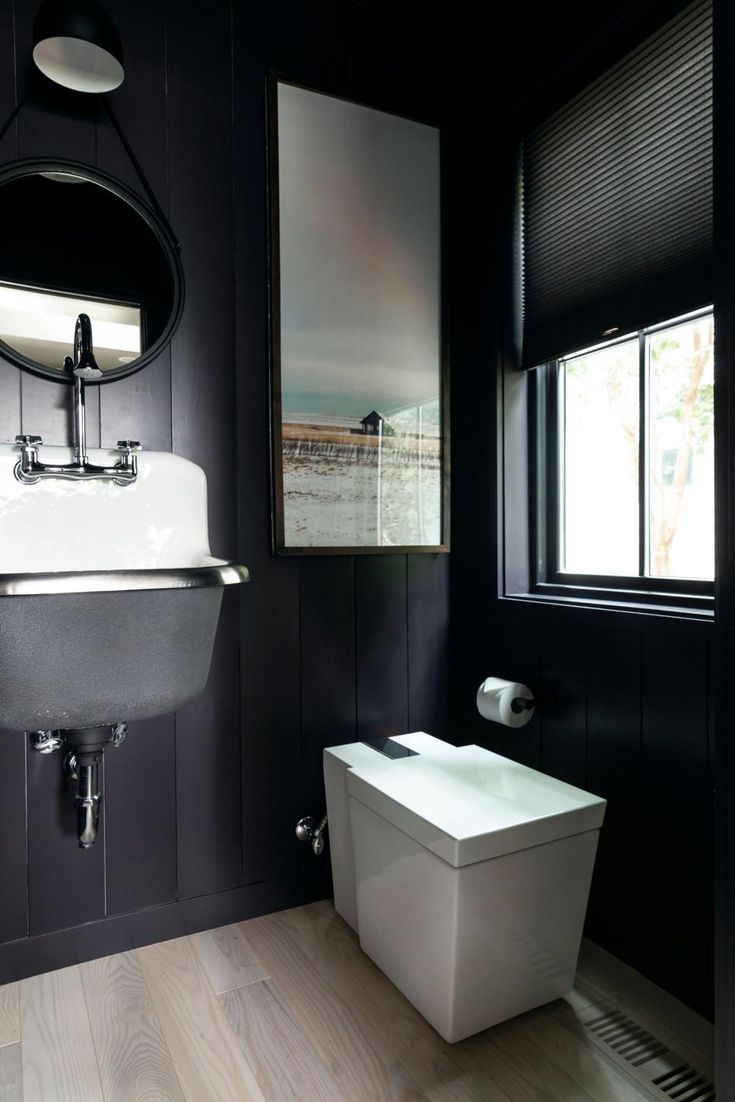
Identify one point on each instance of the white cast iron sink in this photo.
(109, 595)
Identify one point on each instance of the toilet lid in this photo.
(471, 805)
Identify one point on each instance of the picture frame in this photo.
(358, 366)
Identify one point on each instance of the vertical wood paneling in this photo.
(203, 380)
(382, 645)
(9, 403)
(516, 656)
(143, 25)
(139, 407)
(204, 423)
(8, 144)
(563, 703)
(46, 410)
(208, 772)
(14, 897)
(388, 82)
(318, 639)
(327, 644)
(270, 717)
(51, 125)
(9, 376)
(322, 54)
(140, 817)
(66, 885)
(427, 579)
(270, 658)
(677, 838)
(614, 771)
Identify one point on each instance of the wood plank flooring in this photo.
(284, 1008)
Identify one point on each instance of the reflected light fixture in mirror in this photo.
(40, 325)
(76, 44)
(132, 288)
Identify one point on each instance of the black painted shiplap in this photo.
(563, 692)
(614, 771)
(427, 580)
(13, 837)
(382, 635)
(64, 888)
(140, 818)
(677, 813)
(202, 804)
(625, 700)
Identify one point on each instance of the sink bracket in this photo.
(46, 742)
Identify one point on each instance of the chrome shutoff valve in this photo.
(308, 830)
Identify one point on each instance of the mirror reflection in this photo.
(72, 246)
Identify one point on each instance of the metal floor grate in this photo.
(650, 1062)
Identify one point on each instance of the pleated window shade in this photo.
(617, 197)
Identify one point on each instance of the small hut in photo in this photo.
(375, 424)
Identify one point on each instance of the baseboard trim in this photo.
(119, 933)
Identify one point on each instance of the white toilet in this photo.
(465, 874)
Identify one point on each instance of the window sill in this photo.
(640, 604)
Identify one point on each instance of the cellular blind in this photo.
(617, 197)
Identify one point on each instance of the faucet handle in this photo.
(129, 445)
(24, 440)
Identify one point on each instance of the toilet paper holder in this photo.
(521, 704)
(509, 703)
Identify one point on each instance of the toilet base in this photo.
(475, 945)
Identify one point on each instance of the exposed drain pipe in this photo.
(84, 749)
(87, 802)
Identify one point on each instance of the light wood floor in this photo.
(284, 1008)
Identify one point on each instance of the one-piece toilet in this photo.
(465, 874)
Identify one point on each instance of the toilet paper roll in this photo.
(506, 702)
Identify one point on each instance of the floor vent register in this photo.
(652, 1064)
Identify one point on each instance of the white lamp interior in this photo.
(78, 65)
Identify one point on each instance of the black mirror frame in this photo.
(163, 233)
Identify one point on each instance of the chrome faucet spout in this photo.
(82, 368)
(80, 417)
(85, 365)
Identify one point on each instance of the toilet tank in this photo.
(338, 760)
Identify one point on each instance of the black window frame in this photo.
(547, 579)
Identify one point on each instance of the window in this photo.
(626, 463)
(616, 268)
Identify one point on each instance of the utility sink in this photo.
(109, 595)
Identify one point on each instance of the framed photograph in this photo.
(359, 382)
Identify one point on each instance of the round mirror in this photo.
(76, 241)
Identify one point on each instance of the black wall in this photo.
(200, 807)
(627, 701)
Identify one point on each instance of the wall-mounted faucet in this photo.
(83, 367)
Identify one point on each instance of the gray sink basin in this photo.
(109, 595)
(109, 601)
(86, 649)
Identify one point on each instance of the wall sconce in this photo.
(76, 44)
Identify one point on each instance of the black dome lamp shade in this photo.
(76, 44)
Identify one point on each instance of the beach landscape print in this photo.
(357, 347)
